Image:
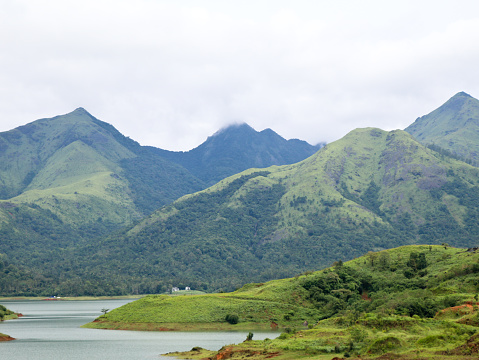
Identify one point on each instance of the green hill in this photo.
(83, 169)
(369, 191)
(453, 127)
(71, 179)
(67, 181)
(404, 301)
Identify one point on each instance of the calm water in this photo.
(51, 330)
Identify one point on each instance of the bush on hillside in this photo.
(232, 319)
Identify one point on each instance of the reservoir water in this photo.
(51, 330)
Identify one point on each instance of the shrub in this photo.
(384, 345)
(431, 341)
(289, 330)
(232, 319)
(451, 300)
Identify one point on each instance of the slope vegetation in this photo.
(69, 180)
(83, 170)
(404, 301)
(371, 190)
(453, 127)
(237, 148)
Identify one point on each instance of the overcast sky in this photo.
(171, 73)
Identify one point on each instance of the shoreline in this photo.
(217, 326)
(71, 298)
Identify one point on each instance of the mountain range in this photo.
(76, 192)
(71, 179)
(237, 148)
(368, 191)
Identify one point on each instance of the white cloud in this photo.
(169, 74)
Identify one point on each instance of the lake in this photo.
(51, 330)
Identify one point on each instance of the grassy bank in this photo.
(413, 302)
(6, 314)
(214, 326)
(274, 305)
(371, 336)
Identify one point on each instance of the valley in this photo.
(87, 211)
(366, 246)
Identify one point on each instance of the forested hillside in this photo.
(84, 170)
(67, 181)
(370, 190)
(237, 148)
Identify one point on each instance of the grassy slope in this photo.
(453, 126)
(393, 160)
(69, 166)
(83, 170)
(257, 305)
(372, 326)
(80, 186)
(32, 146)
(371, 190)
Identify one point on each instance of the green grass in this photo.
(372, 326)
(208, 309)
(453, 126)
(370, 190)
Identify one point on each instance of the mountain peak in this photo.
(238, 147)
(456, 102)
(80, 111)
(462, 94)
(235, 127)
(453, 126)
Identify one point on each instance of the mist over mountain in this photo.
(237, 148)
(69, 180)
(76, 193)
(368, 191)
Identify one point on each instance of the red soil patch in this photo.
(6, 338)
(272, 355)
(455, 309)
(229, 352)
